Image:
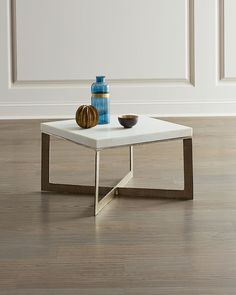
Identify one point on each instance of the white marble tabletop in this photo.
(113, 135)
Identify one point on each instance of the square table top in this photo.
(113, 135)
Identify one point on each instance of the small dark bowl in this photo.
(128, 121)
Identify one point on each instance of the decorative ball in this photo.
(86, 116)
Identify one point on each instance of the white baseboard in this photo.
(158, 109)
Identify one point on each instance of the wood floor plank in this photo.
(51, 244)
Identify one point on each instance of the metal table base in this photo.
(119, 189)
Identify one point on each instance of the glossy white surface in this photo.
(113, 134)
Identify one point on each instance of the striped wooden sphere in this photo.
(86, 116)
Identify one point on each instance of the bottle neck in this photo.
(100, 79)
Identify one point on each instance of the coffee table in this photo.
(147, 130)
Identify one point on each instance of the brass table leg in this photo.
(109, 192)
(100, 204)
(185, 194)
(46, 185)
(45, 161)
(188, 168)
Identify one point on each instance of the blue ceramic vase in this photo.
(100, 99)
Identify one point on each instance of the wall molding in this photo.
(15, 82)
(213, 95)
(175, 109)
(221, 40)
(221, 44)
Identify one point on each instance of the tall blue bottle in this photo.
(100, 99)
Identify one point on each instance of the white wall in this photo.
(162, 57)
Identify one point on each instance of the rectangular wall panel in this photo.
(162, 57)
(77, 39)
(228, 37)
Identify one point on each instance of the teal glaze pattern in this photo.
(100, 99)
(100, 86)
(103, 107)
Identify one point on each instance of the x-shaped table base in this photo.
(119, 189)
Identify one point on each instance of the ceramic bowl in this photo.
(128, 121)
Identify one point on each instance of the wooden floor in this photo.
(51, 243)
